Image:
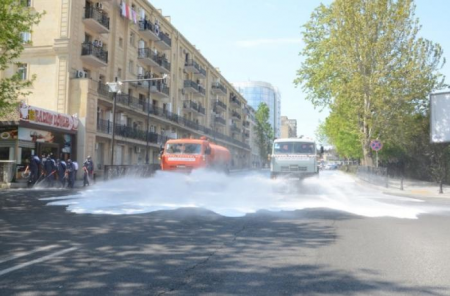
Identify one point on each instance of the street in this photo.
(355, 241)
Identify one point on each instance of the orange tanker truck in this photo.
(189, 154)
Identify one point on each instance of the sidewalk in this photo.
(411, 188)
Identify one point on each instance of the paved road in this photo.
(46, 250)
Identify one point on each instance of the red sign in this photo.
(48, 118)
(376, 145)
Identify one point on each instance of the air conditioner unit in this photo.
(81, 74)
(99, 6)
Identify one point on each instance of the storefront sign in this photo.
(47, 118)
(8, 133)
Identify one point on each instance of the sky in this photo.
(260, 40)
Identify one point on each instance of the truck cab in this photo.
(293, 158)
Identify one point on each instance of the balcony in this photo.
(130, 101)
(234, 128)
(235, 115)
(246, 124)
(147, 29)
(234, 101)
(148, 57)
(220, 106)
(163, 64)
(218, 89)
(164, 43)
(96, 20)
(201, 73)
(193, 106)
(246, 135)
(141, 84)
(159, 89)
(190, 86)
(220, 121)
(201, 91)
(190, 66)
(93, 55)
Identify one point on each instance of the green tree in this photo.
(365, 61)
(15, 19)
(264, 131)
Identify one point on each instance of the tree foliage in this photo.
(15, 18)
(264, 131)
(365, 61)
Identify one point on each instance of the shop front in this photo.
(38, 131)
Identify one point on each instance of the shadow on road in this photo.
(182, 252)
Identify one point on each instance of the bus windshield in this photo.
(294, 148)
(183, 148)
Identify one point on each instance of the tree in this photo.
(365, 61)
(264, 131)
(15, 19)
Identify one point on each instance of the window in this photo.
(26, 3)
(22, 71)
(120, 42)
(119, 73)
(132, 38)
(131, 67)
(26, 37)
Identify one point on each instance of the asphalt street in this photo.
(46, 250)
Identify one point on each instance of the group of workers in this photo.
(50, 173)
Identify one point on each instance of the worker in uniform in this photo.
(61, 167)
(70, 174)
(88, 169)
(50, 169)
(35, 164)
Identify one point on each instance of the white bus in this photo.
(293, 158)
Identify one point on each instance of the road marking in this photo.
(22, 254)
(42, 259)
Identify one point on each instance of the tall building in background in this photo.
(257, 92)
(288, 127)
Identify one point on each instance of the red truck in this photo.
(189, 154)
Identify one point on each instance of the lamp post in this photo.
(149, 100)
(114, 87)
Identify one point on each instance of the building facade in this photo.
(257, 92)
(81, 45)
(288, 127)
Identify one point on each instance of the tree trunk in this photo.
(367, 155)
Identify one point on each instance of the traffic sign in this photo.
(376, 145)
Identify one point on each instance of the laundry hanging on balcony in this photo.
(128, 12)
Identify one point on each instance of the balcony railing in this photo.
(165, 114)
(216, 86)
(236, 115)
(222, 105)
(234, 101)
(190, 85)
(194, 106)
(235, 128)
(201, 90)
(166, 39)
(97, 15)
(246, 124)
(105, 126)
(220, 120)
(88, 49)
(147, 53)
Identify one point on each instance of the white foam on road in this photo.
(238, 195)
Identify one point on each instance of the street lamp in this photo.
(114, 87)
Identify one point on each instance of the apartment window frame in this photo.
(26, 37)
(131, 67)
(120, 42)
(119, 73)
(22, 70)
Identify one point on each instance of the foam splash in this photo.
(237, 195)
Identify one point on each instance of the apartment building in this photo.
(81, 45)
(288, 127)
